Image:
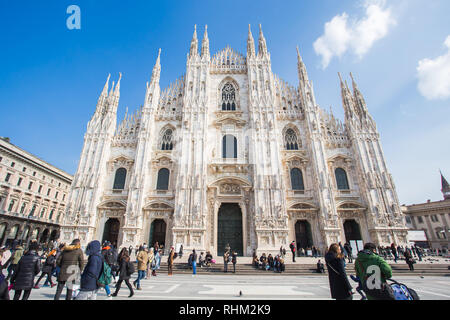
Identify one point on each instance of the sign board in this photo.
(357, 246)
(177, 247)
(416, 235)
(309, 253)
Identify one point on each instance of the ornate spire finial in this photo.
(303, 75)
(250, 43)
(194, 43)
(205, 43)
(262, 45)
(112, 88)
(117, 89)
(105, 88)
(157, 68)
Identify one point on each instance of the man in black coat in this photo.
(28, 267)
(4, 292)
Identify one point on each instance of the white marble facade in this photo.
(277, 128)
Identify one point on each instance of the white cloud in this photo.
(434, 76)
(357, 36)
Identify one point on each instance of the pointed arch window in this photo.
(341, 179)
(297, 179)
(167, 140)
(291, 140)
(119, 179)
(229, 146)
(228, 97)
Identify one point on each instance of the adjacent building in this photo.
(33, 196)
(433, 217)
(231, 154)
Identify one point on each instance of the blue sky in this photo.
(51, 76)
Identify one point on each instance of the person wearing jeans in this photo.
(142, 259)
(194, 262)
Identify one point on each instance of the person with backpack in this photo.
(339, 285)
(367, 261)
(142, 259)
(47, 270)
(126, 269)
(28, 267)
(109, 254)
(70, 262)
(292, 247)
(89, 278)
(105, 278)
(409, 259)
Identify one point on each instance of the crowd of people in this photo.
(105, 267)
(269, 262)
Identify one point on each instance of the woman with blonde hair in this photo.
(151, 256)
(339, 285)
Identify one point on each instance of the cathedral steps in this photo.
(305, 269)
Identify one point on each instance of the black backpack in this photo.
(109, 257)
(50, 260)
(130, 268)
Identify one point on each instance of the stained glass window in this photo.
(290, 139)
(228, 97)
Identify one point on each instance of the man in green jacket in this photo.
(370, 266)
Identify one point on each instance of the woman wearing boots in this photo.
(126, 269)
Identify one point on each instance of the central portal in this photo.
(229, 229)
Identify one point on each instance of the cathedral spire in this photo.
(302, 73)
(445, 187)
(112, 90)
(250, 43)
(194, 44)
(105, 88)
(117, 89)
(359, 99)
(262, 46)
(157, 68)
(205, 43)
(347, 101)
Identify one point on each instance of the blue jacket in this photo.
(93, 268)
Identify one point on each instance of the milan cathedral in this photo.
(230, 154)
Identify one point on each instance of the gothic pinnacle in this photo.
(194, 44)
(250, 43)
(105, 88)
(262, 45)
(117, 89)
(157, 68)
(205, 43)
